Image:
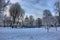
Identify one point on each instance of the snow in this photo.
(8, 33)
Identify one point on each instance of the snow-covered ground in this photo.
(29, 34)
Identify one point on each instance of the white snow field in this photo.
(29, 34)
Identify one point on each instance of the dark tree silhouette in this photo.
(46, 21)
(3, 5)
(15, 11)
(57, 9)
(57, 6)
(47, 13)
(31, 21)
(26, 22)
(38, 22)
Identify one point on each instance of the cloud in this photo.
(35, 7)
(14, 1)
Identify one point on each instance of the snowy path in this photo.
(29, 34)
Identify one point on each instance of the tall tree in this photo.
(38, 22)
(46, 21)
(57, 9)
(3, 5)
(26, 21)
(31, 20)
(57, 6)
(15, 11)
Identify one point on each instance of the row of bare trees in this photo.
(16, 12)
(31, 22)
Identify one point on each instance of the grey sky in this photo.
(36, 7)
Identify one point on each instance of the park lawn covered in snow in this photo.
(29, 34)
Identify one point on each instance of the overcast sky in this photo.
(36, 7)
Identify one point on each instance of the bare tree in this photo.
(57, 6)
(31, 19)
(15, 11)
(57, 9)
(38, 22)
(26, 21)
(3, 5)
(46, 15)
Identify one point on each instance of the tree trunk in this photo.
(13, 22)
(55, 26)
(47, 28)
(4, 23)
